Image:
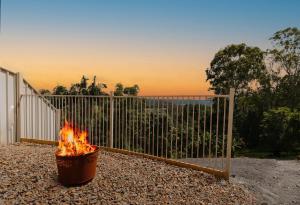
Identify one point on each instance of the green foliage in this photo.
(286, 51)
(280, 129)
(134, 90)
(44, 92)
(264, 82)
(60, 90)
(119, 89)
(236, 66)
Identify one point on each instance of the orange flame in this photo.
(73, 142)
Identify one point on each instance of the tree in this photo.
(286, 51)
(280, 130)
(237, 66)
(285, 58)
(60, 90)
(119, 89)
(44, 92)
(96, 89)
(134, 90)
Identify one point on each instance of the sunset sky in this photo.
(163, 46)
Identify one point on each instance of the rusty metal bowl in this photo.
(77, 170)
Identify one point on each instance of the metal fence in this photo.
(176, 127)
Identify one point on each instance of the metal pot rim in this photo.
(78, 156)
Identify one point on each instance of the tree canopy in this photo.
(94, 88)
(267, 83)
(236, 66)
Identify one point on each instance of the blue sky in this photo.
(141, 39)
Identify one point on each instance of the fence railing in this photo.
(176, 127)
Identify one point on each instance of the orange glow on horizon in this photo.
(165, 71)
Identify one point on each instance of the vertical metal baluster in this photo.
(136, 117)
(75, 112)
(96, 121)
(217, 132)
(157, 129)
(210, 135)
(82, 113)
(198, 129)
(42, 120)
(162, 127)
(145, 125)
(123, 121)
(193, 118)
(187, 128)
(172, 125)
(89, 116)
(119, 122)
(141, 136)
(92, 119)
(71, 110)
(54, 120)
(181, 131)
(129, 122)
(31, 114)
(137, 124)
(167, 128)
(61, 112)
(132, 123)
(153, 125)
(126, 117)
(223, 134)
(103, 119)
(177, 128)
(26, 112)
(108, 120)
(204, 131)
(65, 108)
(99, 120)
(149, 126)
(37, 121)
(47, 121)
(114, 122)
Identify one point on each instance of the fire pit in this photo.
(76, 159)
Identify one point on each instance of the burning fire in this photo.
(73, 142)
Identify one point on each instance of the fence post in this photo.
(57, 123)
(19, 80)
(111, 118)
(229, 132)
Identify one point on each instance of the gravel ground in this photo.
(28, 175)
(271, 181)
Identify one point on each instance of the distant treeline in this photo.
(94, 88)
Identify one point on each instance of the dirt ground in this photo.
(272, 181)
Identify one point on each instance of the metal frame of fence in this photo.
(167, 127)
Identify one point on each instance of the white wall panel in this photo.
(36, 113)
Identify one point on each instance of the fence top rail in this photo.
(144, 96)
(174, 96)
(7, 71)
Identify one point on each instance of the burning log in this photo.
(76, 159)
